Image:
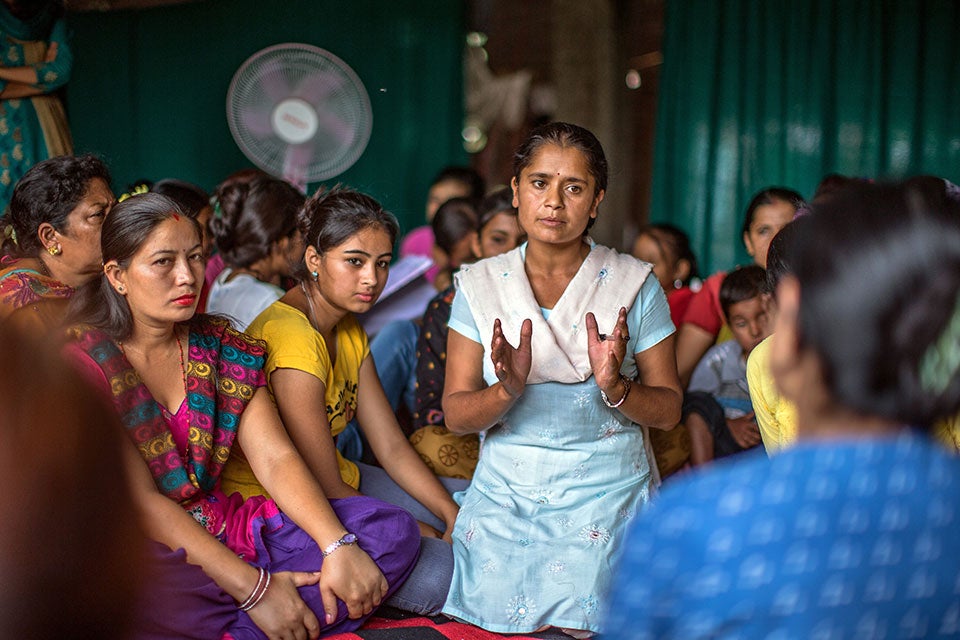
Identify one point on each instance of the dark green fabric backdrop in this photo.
(763, 92)
(149, 87)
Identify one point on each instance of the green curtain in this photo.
(149, 87)
(782, 92)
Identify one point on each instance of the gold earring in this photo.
(119, 288)
(54, 250)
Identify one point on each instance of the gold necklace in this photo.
(183, 376)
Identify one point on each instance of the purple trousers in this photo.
(180, 601)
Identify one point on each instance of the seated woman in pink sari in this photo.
(51, 239)
(187, 388)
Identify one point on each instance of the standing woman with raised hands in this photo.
(561, 351)
(189, 388)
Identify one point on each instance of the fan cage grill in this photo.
(320, 78)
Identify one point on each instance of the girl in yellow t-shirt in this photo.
(321, 375)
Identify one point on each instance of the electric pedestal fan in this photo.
(299, 112)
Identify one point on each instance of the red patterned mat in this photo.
(392, 624)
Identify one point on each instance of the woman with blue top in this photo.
(851, 532)
(559, 351)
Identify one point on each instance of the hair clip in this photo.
(941, 360)
(10, 233)
(136, 191)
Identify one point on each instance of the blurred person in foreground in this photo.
(70, 546)
(853, 531)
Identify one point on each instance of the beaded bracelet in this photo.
(625, 381)
(263, 583)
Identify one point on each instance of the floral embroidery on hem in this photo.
(595, 535)
(519, 609)
(588, 604)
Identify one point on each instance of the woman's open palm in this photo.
(511, 365)
(607, 351)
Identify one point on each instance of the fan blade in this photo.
(256, 121)
(274, 80)
(295, 163)
(316, 87)
(334, 126)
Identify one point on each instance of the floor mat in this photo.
(393, 624)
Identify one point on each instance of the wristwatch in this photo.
(348, 538)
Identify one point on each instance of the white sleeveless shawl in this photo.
(498, 288)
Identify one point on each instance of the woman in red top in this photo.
(667, 248)
(768, 212)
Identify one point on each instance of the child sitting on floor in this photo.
(717, 410)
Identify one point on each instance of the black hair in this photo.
(780, 255)
(331, 216)
(48, 192)
(677, 241)
(770, 195)
(832, 183)
(189, 197)
(124, 232)
(879, 274)
(564, 134)
(252, 216)
(464, 175)
(743, 283)
(500, 201)
(455, 219)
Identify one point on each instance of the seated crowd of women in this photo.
(520, 502)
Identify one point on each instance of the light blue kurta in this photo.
(557, 483)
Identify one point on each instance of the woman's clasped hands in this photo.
(349, 575)
(282, 613)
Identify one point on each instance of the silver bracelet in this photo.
(263, 581)
(625, 381)
(259, 596)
